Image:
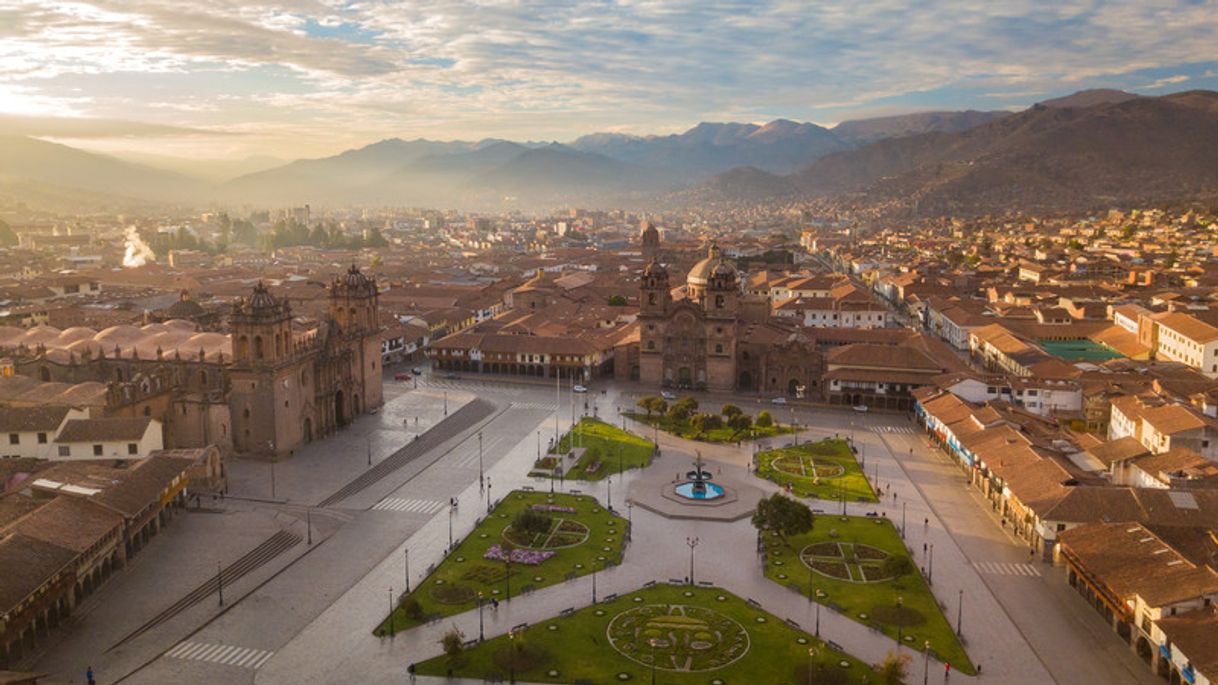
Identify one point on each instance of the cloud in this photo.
(300, 73)
(1166, 81)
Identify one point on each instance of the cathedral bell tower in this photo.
(261, 329)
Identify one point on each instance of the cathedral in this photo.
(708, 335)
(265, 387)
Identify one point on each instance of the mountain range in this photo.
(1092, 149)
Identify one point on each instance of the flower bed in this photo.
(530, 557)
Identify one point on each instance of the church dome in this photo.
(184, 308)
(354, 279)
(714, 266)
(262, 298)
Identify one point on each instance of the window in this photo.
(42, 438)
(97, 450)
(14, 439)
(718, 348)
(133, 448)
(65, 451)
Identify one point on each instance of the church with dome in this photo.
(707, 334)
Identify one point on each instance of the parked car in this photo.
(668, 395)
(779, 400)
(861, 407)
(401, 376)
(418, 371)
(579, 388)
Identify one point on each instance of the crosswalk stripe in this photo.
(414, 506)
(225, 655)
(1003, 568)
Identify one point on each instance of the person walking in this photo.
(89, 676)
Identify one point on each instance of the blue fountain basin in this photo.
(689, 491)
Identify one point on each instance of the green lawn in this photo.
(710, 634)
(581, 541)
(722, 435)
(824, 470)
(609, 450)
(902, 608)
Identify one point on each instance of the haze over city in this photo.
(349, 341)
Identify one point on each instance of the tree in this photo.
(412, 608)
(703, 422)
(739, 423)
(782, 515)
(678, 412)
(617, 301)
(688, 404)
(764, 420)
(531, 521)
(893, 669)
(453, 643)
(730, 410)
(651, 403)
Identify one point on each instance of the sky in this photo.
(226, 79)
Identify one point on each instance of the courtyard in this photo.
(859, 567)
(683, 634)
(825, 470)
(529, 541)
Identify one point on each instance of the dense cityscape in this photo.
(920, 395)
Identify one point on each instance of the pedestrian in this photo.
(89, 676)
(924, 548)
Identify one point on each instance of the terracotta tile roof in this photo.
(1195, 634)
(104, 430)
(69, 522)
(1188, 326)
(27, 564)
(1114, 451)
(27, 419)
(1131, 560)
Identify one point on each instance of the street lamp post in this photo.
(930, 566)
(406, 555)
(960, 613)
(390, 612)
(692, 543)
(902, 520)
(451, 509)
(309, 525)
(926, 662)
(220, 582)
(811, 665)
(368, 445)
(629, 518)
(480, 469)
(481, 633)
(446, 403)
(594, 584)
(512, 654)
(652, 642)
(488, 495)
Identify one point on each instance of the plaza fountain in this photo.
(697, 485)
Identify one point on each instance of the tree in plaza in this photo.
(893, 669)
(782, 515)
(651, 404)
(764, 420)
(739, 423)
(453, 643)
(412, 608)
(703, 422)
(679, 413)
(730, 410)
(689, 403)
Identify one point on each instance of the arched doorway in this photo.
(340, 416)
(793, 387)
(356, 409)
(746, 381)
(685, 377)
(634, 372)
(308, 430)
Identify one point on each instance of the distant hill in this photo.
(60, 167)
(1090, 98)
(1131, 151)
(866, 131)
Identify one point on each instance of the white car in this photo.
(668, 395)
(778, 400)
(861, 408)
(579, 388)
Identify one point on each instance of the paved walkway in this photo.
(329, 650)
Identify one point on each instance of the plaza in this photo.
(310, 614)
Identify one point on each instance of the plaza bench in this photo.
(527, 488)
(706, 583)
(753, 603)
(650, 583)
(676, 581)
(793, 624)
(609, 597)
(520, 626)
(834, 646)
(567, 612)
